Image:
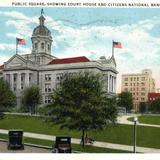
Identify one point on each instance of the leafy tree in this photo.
(125, 100)
(155, 105)
(31, 97)
(142, 107)
(7, 97)
(80, 103)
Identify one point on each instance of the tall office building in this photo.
(139, 84)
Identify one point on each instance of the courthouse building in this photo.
(42, 68)
(139, 85)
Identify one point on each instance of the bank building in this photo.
(41, 68)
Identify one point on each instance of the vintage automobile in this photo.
(15, 139)
(62, 145)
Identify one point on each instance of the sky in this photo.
(89, 32)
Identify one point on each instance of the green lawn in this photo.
(75, 147)
(148, 119)
(121, 134)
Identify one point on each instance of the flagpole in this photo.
(16, 46)
(112, 48)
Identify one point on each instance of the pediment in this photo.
(15, 62)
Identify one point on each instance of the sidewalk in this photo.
(123, 120)
(96, 143)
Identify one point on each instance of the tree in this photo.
(7, 97)
(142, 107)
(80, 103)
(155, 105)
(125, 100)
(31, 97)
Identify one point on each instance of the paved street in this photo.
(27, 149)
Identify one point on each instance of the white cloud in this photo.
(4, 46)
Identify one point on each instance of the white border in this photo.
(115, 4)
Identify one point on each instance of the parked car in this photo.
(15, 139)
(62, 145)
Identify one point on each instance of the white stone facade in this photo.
(34, 69)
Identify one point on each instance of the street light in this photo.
(134, 131)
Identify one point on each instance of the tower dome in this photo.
(41, 29)
(41, 38)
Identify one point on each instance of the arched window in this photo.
(42, 45)
(49, 47)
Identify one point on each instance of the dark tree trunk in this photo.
(83, 137)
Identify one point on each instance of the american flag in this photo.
(117, 45)
(20, 41)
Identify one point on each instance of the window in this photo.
(22, 86)
(48, 77)
(49, 47)
(143, 78)
(48, 99)
(59, 76)
(142, 89)
(126, 79)
(15, 77)
(22, 77)
(35, 46)
(142, 99)
(142, 83)
(142, 93)
(30, 77)
(137, 78)
(131, 79)
(126, 84)
(42, 45)
(134, 78)
(137, 83)
(47, 87)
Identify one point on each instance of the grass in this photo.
(148, 119)
(75, 147)
(121, 134)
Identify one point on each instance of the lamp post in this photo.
(134, 131)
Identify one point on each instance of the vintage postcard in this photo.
(80, 77)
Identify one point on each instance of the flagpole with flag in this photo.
(115, 45)
(19, 41)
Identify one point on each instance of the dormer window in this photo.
(42, 45)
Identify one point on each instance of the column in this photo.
(112, 84)
(18, 82)
(11, 81)
(108, 83)
(26, 79)
(115, 84)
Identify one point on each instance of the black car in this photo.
(62, 145)
(15, 139)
